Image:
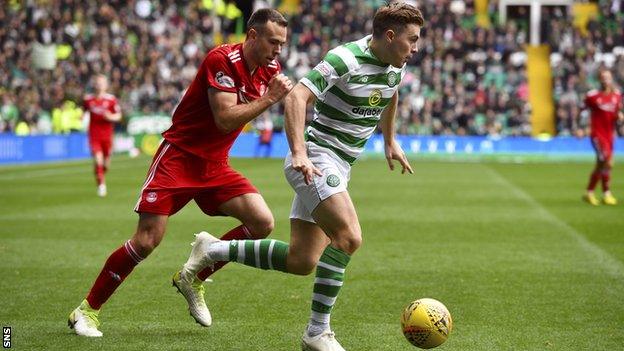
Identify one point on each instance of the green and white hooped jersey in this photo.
(352, 88)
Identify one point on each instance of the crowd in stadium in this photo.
(466, 80)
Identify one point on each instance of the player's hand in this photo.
(303, 164)
(279, 86)
(394, 152)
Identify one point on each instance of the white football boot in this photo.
(325, 341)
(101, 190)
(84, 320)
(187, 283)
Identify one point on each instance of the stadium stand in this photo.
(467, 79)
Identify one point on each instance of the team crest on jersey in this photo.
(392, 79)
(223, 80)
(333, 180)
(151, 197)
(374, 98)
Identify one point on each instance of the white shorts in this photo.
(307, 196)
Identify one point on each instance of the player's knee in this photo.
(348, 243)
(302, 266)
(147, 239)
(261, 227)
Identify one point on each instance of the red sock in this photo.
(593, 180)
(115, 270)
(606, 177)
(240, 232)
(99, 174)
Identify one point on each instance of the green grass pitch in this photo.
(519, 260)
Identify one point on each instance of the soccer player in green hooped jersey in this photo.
(353, 89)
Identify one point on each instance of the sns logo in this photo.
(6, 337)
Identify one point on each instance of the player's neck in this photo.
(377, 51)
(608, 90)
(248, 59)
(100, 94)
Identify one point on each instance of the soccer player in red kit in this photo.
(103, 111)
(234, 84)
(605, 106)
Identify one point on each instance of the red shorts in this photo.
(177, 177)
(103, 145)
(603, 148)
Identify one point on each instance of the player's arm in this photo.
(112, 116)
(295, 107)
(229, 115)
(115, 114)
(392, 148)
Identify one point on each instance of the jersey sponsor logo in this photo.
(151, 197)
(375, 97)
(392, 79)
(324, 68)
(224, 80)
(333, 180)
(364, 111)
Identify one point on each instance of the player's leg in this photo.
(149, 233)
(256, 222)
(336, 216)
(98, 166)
(608, 197)
(596, 173)
(107, 147)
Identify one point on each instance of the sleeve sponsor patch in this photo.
(224, 80)
(324, 68)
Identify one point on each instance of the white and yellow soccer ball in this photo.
(426, 323)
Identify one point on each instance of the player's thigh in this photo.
(252, 211)
(307, 243)
(337, 217)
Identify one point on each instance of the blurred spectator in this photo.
(466, 80)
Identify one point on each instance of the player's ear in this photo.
(390, 34)
(252, 33)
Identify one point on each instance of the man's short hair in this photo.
(396, 16)
(260, 18)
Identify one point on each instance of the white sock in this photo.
(316, 328)
(220, 251)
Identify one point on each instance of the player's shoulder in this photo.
(226, 52)
(592, 93)
(88, 97)
(108, 96)
(343, 59)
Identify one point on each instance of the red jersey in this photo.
(604, 112)
(224, 68)
(100, 127)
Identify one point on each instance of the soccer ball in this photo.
(426, 323)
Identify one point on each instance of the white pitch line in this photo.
(80, 168)
(612, 266)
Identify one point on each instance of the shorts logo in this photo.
(333, 180)
(223, 80)
(392, 79)
(151, 197)
(374, 98)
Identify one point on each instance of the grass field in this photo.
(519, 260)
